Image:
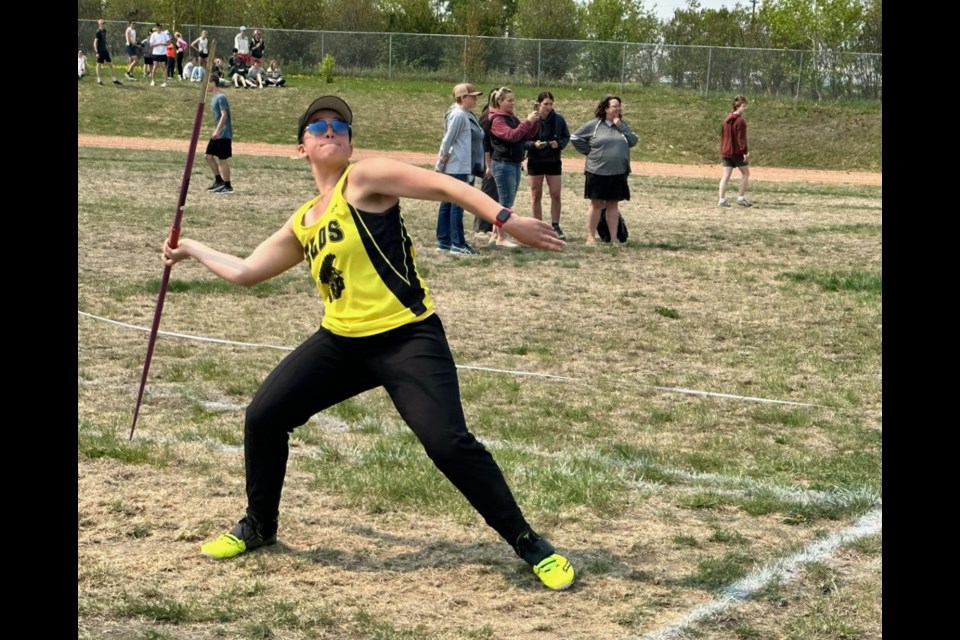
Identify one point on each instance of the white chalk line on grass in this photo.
(784, 571)
(533, 374)
(737, 486)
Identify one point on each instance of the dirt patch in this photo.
(572, 165)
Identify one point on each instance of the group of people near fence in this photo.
(173, 57)
(494, 146)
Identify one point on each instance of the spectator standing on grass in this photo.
(274, 75)
(103, 54)
(735, 153)
(606, 141)
(507, 135)
(81, 64)
(147, 54)
(488, 185)
(133, 48)
(379, 329)
(543, 160)
(171, 57)
(182, 46)
(158, 43)
(257, 47)
(460, 157)
(242, 44)
(202, 47)
(220, 147)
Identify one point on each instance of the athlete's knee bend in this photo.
(449, 449)
(261, 418)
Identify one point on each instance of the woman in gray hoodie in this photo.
(460, 157)
(606, 141)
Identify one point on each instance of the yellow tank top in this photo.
(364, 266)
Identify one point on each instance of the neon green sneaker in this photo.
(245, 536)
(555, 572)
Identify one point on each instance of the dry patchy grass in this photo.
(733, 301)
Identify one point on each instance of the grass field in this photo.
(695, 418)
(673, 126)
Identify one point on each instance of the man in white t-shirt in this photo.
(158, 45)
(242, 44)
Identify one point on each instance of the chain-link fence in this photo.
(823, 74)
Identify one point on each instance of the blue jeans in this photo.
(450, 220)
(507, 176)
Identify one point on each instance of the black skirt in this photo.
(597, 187)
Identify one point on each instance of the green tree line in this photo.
(822, 26)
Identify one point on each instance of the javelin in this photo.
(174, 237)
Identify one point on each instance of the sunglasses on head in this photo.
(319, 127)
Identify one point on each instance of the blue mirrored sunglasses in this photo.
(319, 127)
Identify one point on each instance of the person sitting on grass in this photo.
(238, 70)
(274, 76)
(257, 75)
(198, 73)
(379, 329)
(81, 64)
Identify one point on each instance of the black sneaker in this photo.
(216, 186)
(225, 189)
(115, 81)
(559, 231)
(247, 535)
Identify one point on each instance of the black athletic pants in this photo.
(414, 364)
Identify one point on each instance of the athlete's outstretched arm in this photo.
(276, 254)
(376, 184)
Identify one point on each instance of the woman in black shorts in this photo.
(543, 159)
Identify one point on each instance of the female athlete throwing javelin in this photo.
(379, 329)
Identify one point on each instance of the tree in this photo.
(410, 18)
(620, 21)
(827, 28)
(550, 22)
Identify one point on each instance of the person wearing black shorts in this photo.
(101, 51)
(543, 160)
(202, 46)
(735, 153)
(133, 49)
(220, 148)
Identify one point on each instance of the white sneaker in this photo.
(163, 84)
(153, 83)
